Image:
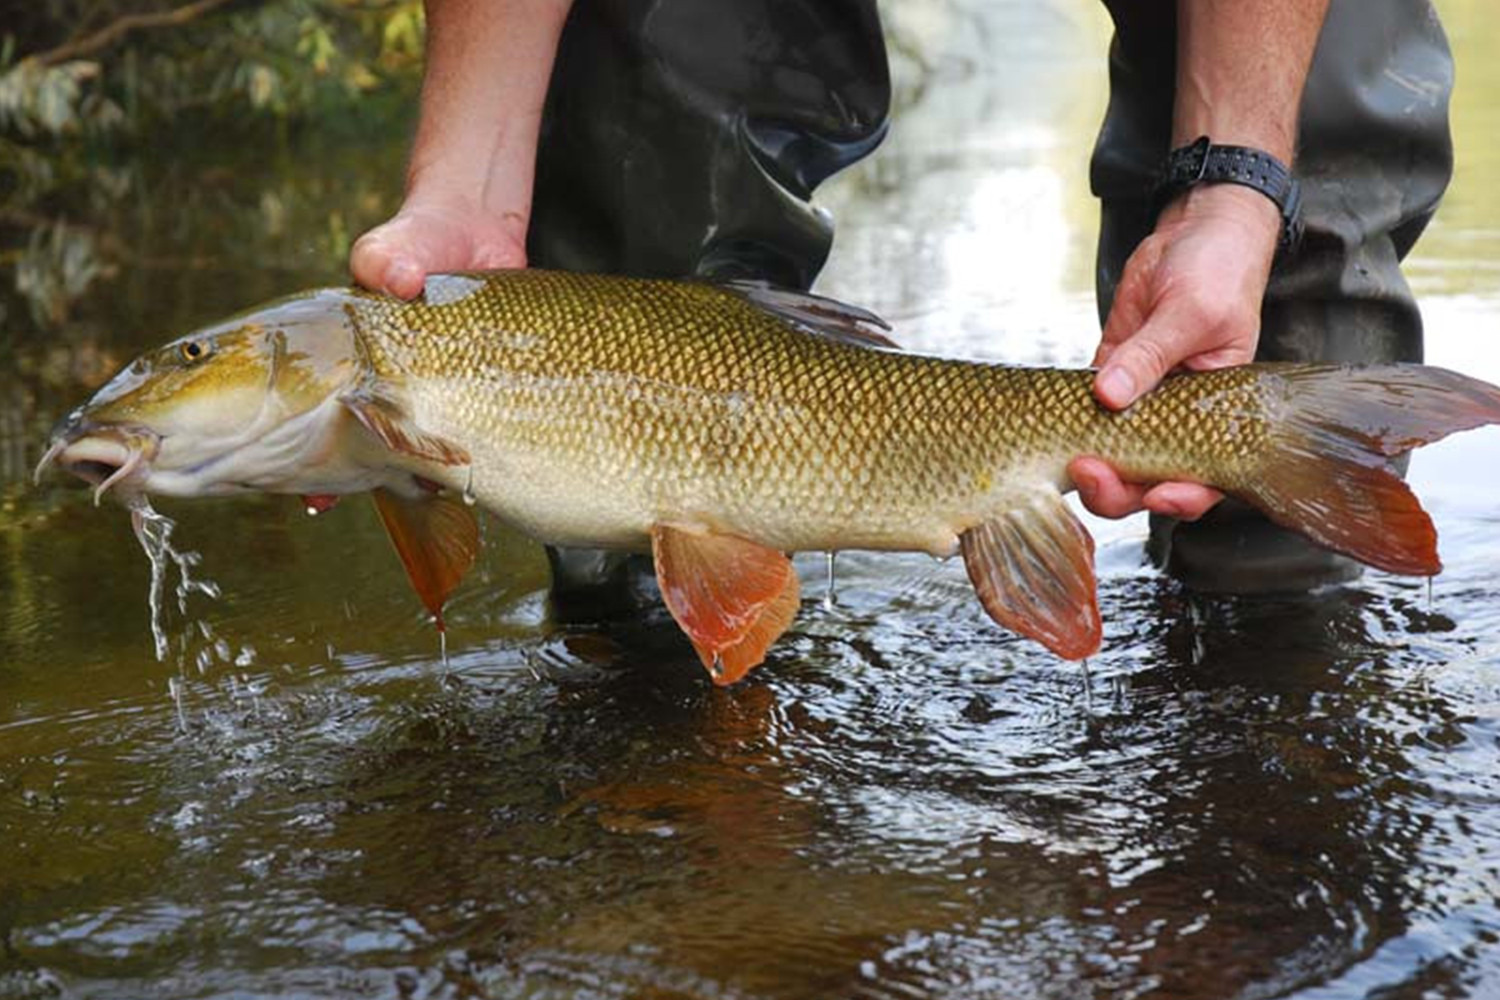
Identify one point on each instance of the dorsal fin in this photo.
(815, 314)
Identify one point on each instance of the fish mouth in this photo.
(106, 458)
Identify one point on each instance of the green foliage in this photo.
(98, 95)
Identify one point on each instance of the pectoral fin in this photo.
(437, 539)
(385, 417)
(1033, 569)
(732, 597)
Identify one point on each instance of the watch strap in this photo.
(1202, 162)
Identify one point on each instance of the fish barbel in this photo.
(721, 426)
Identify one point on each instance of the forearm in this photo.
(488, 66)
(1241, 66)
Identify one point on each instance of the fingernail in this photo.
(1116, 386)
(402, 276)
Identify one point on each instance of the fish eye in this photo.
(192, 350)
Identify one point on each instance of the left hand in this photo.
(1189, 297)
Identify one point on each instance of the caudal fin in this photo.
(1334, 431)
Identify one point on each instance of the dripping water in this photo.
(154, 532)
(830, 598)
(174, 688)
(469, 498)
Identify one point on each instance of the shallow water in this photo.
(1238, 798)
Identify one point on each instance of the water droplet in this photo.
(443, 647)
(469, 497)
(312, 511)
(717, 667)
(174, 688)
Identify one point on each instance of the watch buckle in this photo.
(1200, 151)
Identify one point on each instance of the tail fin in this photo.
(1328, 472)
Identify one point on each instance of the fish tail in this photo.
(1328, 470)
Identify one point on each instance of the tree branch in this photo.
(117, 29)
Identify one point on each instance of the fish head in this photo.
(230, 408)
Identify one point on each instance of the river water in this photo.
(1242, 798)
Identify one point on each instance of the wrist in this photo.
(1249, 211)
(490, 181)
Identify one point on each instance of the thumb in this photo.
(1138, 363)
(384, 259)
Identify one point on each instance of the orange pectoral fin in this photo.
(732, 597)
(1033, 569)
(437, 539)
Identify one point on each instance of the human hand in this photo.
(432, 234)
(1190, 296)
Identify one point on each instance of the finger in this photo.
(368, 259)
(1102, 490)
(1139, 363)
(378, 262)
(1132, 300)
(1184, 501)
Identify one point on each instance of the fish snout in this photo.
(102, 455)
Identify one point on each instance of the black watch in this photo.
(1205, 163)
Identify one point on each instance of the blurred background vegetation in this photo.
(128, 125)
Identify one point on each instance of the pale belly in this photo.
(570, 504)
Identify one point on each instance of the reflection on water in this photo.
(1238, 798)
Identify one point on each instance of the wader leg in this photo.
(685, 138)
(1374, 158)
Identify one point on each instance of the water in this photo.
(154, 532)
(1239, 799)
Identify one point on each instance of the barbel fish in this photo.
(721, 426)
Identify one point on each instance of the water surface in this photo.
(1247, 798)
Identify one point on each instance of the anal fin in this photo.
(1033, 569)
(437, 539)
(732, 597)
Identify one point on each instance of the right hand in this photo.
(431, 235)
(1190, 296)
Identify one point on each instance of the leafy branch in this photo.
(123, 25)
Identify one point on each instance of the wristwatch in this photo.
(1205, 163)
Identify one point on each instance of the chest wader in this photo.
(686, 137)
(1374, 156)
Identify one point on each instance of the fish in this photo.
(721, 426)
